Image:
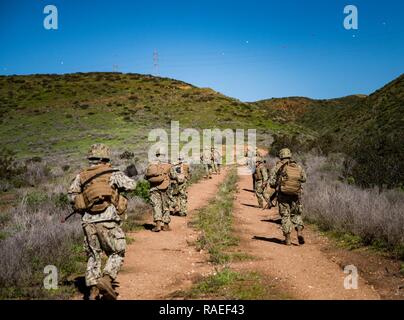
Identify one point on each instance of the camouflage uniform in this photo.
(290, 207)
(216, 160)
(102, 231)
(161, 194)
(206, 159)
(260, 180)
(178, 194)
(182, 189)
(160, 200)
(173, 190)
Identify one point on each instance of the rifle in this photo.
(68, 216)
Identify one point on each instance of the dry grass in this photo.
(374, 215)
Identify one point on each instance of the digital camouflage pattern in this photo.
(260, 178)
(178, 195)
(290, 207)
(105, 237)
(161, 205)
(216, 160)
(102, 232)
(160, 199)
(99, 151)
(206, 159)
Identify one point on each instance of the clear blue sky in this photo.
(245, 49)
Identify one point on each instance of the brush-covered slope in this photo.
(368, 128)
(64, 114)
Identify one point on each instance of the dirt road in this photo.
(157, 264)
(303, 272)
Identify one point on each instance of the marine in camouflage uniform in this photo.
(260, 180)
(290, 206)
(185, 175)
(216, 160)
(159, 196)
(102, 231)
(206, 159)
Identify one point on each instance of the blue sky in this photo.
(250, 50)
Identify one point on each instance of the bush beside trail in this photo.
(372, 216)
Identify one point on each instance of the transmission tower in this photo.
(156, 62)
(115, 68)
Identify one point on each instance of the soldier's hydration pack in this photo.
(158, 175)
(291, 175)
(97, 193)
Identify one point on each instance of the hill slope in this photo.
(369, 128)
(46, 114)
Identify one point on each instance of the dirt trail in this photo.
(303, 272)
(157, 264)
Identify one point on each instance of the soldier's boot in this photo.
(157, 228)
(105, 287)
(166, 227)
(300, 236)
(288, 240)
(94, 293)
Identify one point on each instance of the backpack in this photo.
(97, 193)
(155, 173)
(158, 175)
(290, 179)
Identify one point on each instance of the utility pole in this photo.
(156, 62)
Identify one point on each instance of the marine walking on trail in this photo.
(96, 194)
(160, 173)
(287, 177)
(178, 195)
(260, 177)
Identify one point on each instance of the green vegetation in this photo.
(215, 222)
(370, 129)
(43, 115)
(231, 285)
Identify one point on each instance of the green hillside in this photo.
(63, 114)
(368, 128)
(48, 115)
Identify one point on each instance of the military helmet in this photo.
(99, 151)
(285, 153)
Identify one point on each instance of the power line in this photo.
(156, 62)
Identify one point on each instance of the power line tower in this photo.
(156, 62)
(115, 68)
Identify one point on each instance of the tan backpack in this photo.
(97, 193)
(158, 175)
(290, 179)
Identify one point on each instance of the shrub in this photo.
(373, 214)
(36, 238)
(142, 190)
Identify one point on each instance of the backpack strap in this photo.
(279, 172)
(98, 175)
